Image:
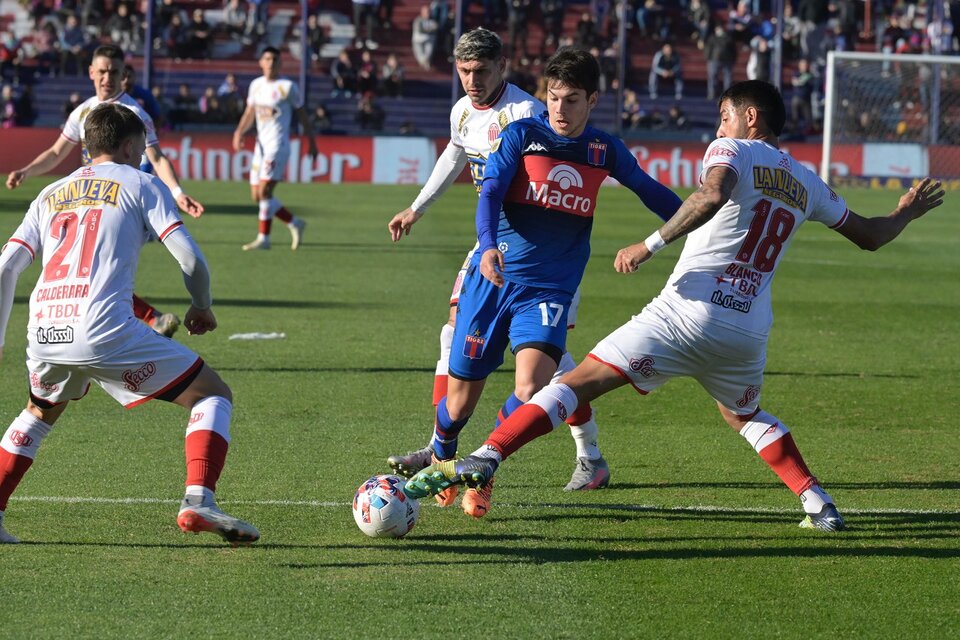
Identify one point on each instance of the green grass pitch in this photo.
(694, 538)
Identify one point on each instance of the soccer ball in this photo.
(382, 509)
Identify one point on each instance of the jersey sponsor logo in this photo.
(63, 292)
(493, 132)
(55, 335)
(463, 118)
(750, 394)
(730, 301)
(135, 379)
(780, 184)
(596, 153)
(37, 383)
(473, 346)
(20, 439)
(534, 146)
(559, 191)
(643, 366)
(84, 192)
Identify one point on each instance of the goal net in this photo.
(891, 118)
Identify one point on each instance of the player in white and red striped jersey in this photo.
(713, 317)
(476, 121)
(271, 102)
(106, 71)
(87, 229)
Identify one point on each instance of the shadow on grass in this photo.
(882, 486)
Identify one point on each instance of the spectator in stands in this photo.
(24, 110)
(344, 75)
(175, 37)
(199, 36)
(666, 68)
(74, 47)
(792, 29)
(608, 67)
(91, 12)
(758, 64)
(552, 12)
(235, 18)
(408, 128)
(45, 53)
(813, 15)
(209, 106)
(8, 108)
(587, 34)
(721, 54)
(184, 107)
(163, 16)
(801, 103)
(258, 16)
(163, 108)
(122, 28)
(740, 23)
(367, 74)
(631, 113)
(676, 119)
(845, 14)
(424, 37)
(385, 14)
(650, 19)
(443, 41)
(518, 17)
(72, 103)
(11, 58)
(232, 101)
(600, 9)
(365, 13)
(316, 37)
(322, 123)
(139, 93)
(370, 115)
(391, 75)
(701, 18)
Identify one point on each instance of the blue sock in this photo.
(510, 405)
(445, 432)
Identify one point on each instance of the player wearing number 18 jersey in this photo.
(88, 229)
(712, 318)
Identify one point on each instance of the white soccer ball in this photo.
(381, 508)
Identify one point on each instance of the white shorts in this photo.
(458, 289)
(657, 345)
(267, 166)
(151, 366)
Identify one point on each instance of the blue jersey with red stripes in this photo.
(546, 186)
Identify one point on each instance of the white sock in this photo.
(763, 430)
(486, 451)
(558, 401)
(446, 343)
(814, 498)
(585, 437)
(199, 490)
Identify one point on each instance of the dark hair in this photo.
(111, 51)
(107, 126)
(763, 96)
(573, 68)
(273, 50)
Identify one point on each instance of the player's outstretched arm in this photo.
(168, 174)
(696, 210)
(401, 223)
(872, 233)
(46, 161)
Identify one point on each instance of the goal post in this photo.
(891, 116)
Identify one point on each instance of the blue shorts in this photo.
(488, 319)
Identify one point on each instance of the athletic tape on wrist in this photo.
(655, 242)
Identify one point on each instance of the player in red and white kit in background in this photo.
(88, 230)
(712, 319)
(475, 122)
(106, 71)
(271, 103)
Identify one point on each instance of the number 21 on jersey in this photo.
(65, 227)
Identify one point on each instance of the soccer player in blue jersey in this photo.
(534, 217)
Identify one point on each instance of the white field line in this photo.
(698, 508)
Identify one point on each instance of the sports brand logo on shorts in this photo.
(750, 394)
(37, 383)
(473, 346)
(643, 366)
(135, 379)
(596, 153)
(20, 439)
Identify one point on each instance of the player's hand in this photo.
(15, 178)
(402, 222)
(491, 266)
(630, 258)
(189, 205)
(926, 195)
(238, 142)
(199, 321)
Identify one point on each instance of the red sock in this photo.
(265, 227)
(12, 468)
(525, 424)
(439, 389)
(283, 215)
(784, 458)
(581, 415)
(206, 453)
(143, 309)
